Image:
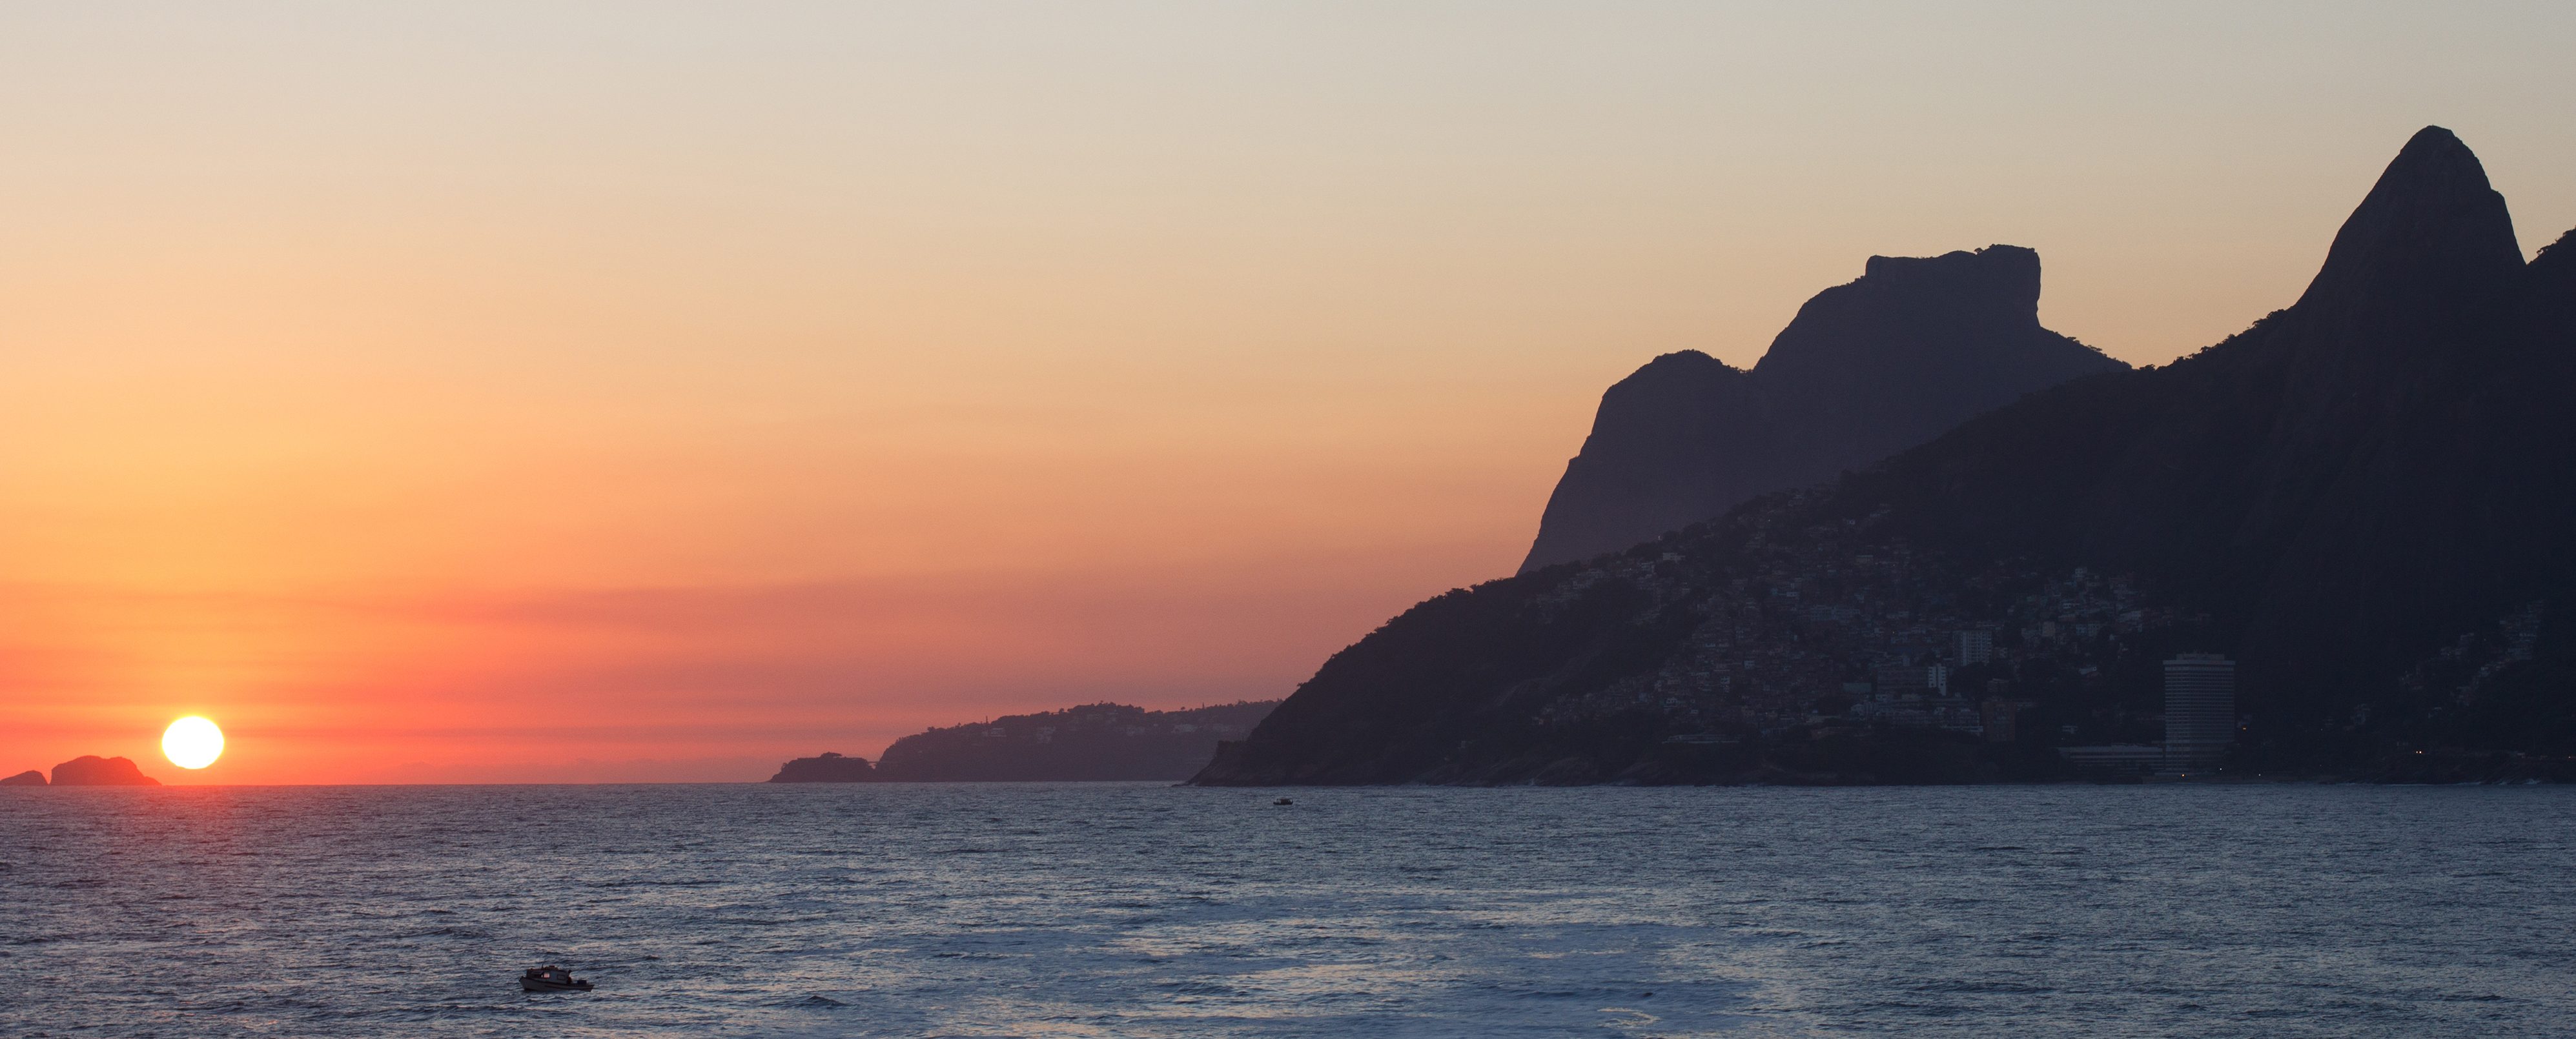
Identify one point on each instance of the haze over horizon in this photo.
(567, 392)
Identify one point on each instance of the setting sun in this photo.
(192, 742)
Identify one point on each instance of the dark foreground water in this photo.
(1134, 910)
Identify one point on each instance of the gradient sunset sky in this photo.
(526, 391)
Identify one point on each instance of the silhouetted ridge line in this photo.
(1093, 742)
(2430, 239)
(2364, 501)
(1866, 368)
(92, 770)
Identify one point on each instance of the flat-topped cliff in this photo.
(1885, 362)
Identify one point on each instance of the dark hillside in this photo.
(2365, 498)
(1866, 369)
(1103, 741)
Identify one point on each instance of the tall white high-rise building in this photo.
(2200, 711)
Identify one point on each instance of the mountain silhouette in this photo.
(1866, 369)
(2365, 499)
(1093, 742)
(92, 770)
(829, 767)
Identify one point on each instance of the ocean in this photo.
(1147, 910)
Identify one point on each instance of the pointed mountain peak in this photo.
(2432, 230)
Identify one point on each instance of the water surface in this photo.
(1144, 910)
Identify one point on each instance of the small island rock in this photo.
(92, 770)
(30, 777)
(830, 768)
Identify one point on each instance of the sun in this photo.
(192, 742)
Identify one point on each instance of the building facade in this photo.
(1975, 647)
(1909, 681)
(2200, 711)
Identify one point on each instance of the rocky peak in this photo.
(1663, 402)
(1868, 368)
(1959, 311)
(2430, 239)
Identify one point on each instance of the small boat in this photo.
(1283, 801)
(551, 978)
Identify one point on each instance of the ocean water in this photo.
(1144, 910)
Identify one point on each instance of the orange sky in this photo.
(594, 392)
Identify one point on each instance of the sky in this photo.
(517, 392)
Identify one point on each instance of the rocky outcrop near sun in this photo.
(92, 770)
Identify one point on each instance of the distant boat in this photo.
(551, 979)
(1283, 801)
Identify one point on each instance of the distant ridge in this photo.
(1868, 368)
(2367, 500)
(92, 770)
(1093, 742)
(830, 767)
